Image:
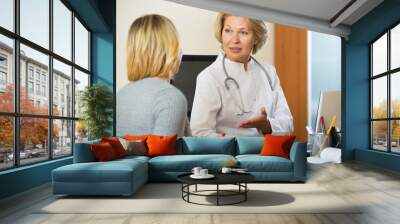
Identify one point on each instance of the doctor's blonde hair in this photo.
(257, 26)
(153, 48)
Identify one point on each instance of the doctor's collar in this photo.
(234, 63)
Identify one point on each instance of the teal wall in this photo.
(24, 178)
(99, 15)
(103, 62)
(355, 85)
(103, 51)
(380, 159)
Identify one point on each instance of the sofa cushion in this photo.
(257, 163)
(83, 152)
(112, 171)
(93, 172)
(206, 145)
(249, 145)
(132, 158)
(185, 163)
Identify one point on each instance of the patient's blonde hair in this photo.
(257, 26)
(153, 48)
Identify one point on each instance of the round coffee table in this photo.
(238, 179)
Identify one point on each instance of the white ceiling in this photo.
(316, 15)
(319, 9)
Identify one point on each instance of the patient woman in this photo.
(149, 104)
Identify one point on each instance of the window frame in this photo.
(388, 74)
(16, 115)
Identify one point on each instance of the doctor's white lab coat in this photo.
(217, 110)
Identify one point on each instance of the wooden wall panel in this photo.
(291, 66)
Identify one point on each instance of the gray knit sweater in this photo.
(151, 106)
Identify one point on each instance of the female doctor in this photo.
(236, 95)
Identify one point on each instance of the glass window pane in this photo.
(7, 14)
(81, 45)
(379, 135)
(62, 138)
(395, 136)
(395, 47)
(81, 81)
(62, 29)
(33, 140)
(6, 74)
(35, 21)
(62, 89)
(34, 78)
(81, 131)
(379, 97)
(395, 94)
(6, 142)
(379, 55)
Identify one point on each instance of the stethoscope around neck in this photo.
(229, 79)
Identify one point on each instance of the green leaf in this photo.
(96, 102)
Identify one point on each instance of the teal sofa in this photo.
(125, 176)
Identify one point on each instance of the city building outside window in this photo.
(37, 74)
(55, 94)
(44, 77)
(3, 60)
(43, 90)
(3, 78)
(30, 72)
(3, 72)
(30, 87)
(38, 89)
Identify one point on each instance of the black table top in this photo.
(220, 178)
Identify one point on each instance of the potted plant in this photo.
(96, 102)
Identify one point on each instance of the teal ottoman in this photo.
(118, 177)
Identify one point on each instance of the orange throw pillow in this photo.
(116, 145)
(277, 145)
(103, 152)
(161, 145)
(136, 137)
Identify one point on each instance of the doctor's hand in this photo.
(260, 122)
